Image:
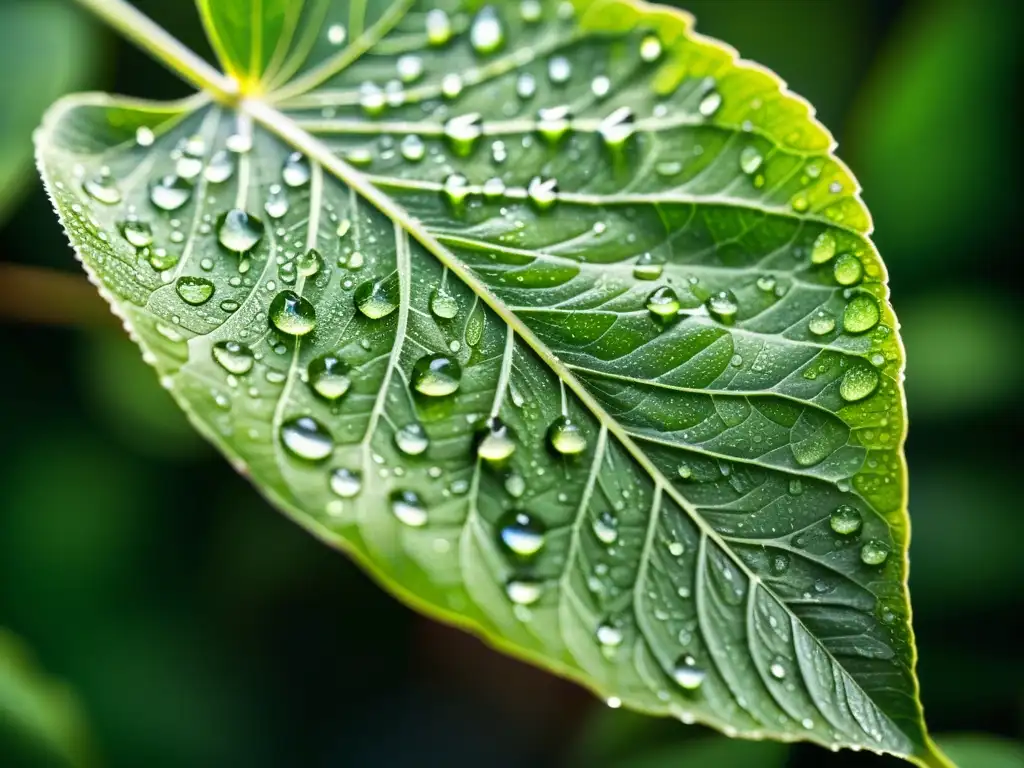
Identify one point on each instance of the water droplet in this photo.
(606, 528)
(463, 132)
(190, 161)
(543, 193)
(485, 34)
(413, 149)
(663, 303)
(378, 298)
(221, 168)
(648, 267)
(650, 49)
(276, 205)
(779, 563)
(194, 290)
(239, 143)
(861, 314)
(443, 304)
(102, 188)
(710, 103)
(858, 382)
(371, 98)
(526, 86)
(845, 520)
(559, 70)
(685, 471)
(566, 437)
(309, 263)
(410, 68)
(848, 270)
(493, 188)
(722, 306)
(617, 127)
(336, 34)
(144, 136)
(169, 193)
(668, 168)
(553, 123)
(874, 552)
(292, 314)
(346, 483)
(515, 485)
(687, 674)
(524, 591)
(824, 248)
(328, 375)
(521, 534)
(436, 375)
(296, 171)
(456, 189)
(439, 27)
(239, 231)
(494, 441)
(750, 160)
(451, 85)
(408, 508)
(412, 439)
(777, 669)
(766, 283)
(306, 438)
(233, 357)
(161, 260)
(821, 323)
(609, 635)
(137, 232)
(600, 86)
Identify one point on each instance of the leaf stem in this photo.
(933, 757)
(151, 37)
(50, 297)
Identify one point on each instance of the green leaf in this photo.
(51, 49)
(41, 723)
(983, 751)
(559, 319)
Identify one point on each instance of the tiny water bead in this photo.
(408, 508)
(194, 290)
(292, 314)
(857, 383)
(874, 552)
(296, 171)
(494, 441)
(566, 437)
(328, 376)
(526, 86)
(687, 674)
(233, 357)
(824, 248)
(377, 298)
(845, 520)
(346, 483)
(663, 303)
(412, 439)
(609, 635)
(486, 34)
(522, 534)
(722, 306)
(443, 304)
(648, 267)
(861, 314)
(137, 232)
(102, 188)
(777, 669)
(848, 269)
(436, 375)
(438, 26)
(821, 322)
(524, 591)
(169, 193)
(750, 160)
(239, 231)
(336, 34)
(306, 438)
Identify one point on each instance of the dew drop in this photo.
(346, 483)
(412, 439)
(522, 534)
(824, 248)
(102, 188)
(663, 303)
(600, 86)
(648, 267)
(169, 193)
(617, 127)
(606, 528)
(530, 11)
(371, 98)
(436, 375)
(378, 298)
(710, 103)
(291, 314)
(553, 123)
(777, 670)
(276, 205)
(190, 162)
(779, 564)
(848, 270)
(861, 314)
(162, 260)
(543, 193)
(451, 85)
(723, 306)
(494, 441)
(238, 143)
(144, 136)
(137, 232)
(306, 438)
(821, 323)
(443, 305)
(515, 485)
(750, 160)
(220, 169)
(408, 508)
(233, 357)
(336, 34)
(524, 591)
(296, 171)
(463, 132)
(857, 383)
(194, 290)
(874, 552)
(526, 86)
(239, 231)
(609, 635)
(486, 34)
(687, 674)
(566, 437)
(439, 27)
(559, 70)
(493, 188)
(845, 520)
(410, 68)
(328, 376)
(650, 49)
(413, 149)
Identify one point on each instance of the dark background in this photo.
(198, 627)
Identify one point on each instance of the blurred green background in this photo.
(157, 612)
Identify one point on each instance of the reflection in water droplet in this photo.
(328, 376)
(238, 231)
(845, 520)
(858, 382)
(378, 298)
(722, 306)
(443, 304)
(194, 290)
(663, 303)
(276, 205)
(687, 674)
(346, 483)
(408, 508)
(296, 171)
(306, 438)
(162, 260)
(170, 192)
(494, 441)
(292, 314)
(485, 33)
(861, 314)
(102, 188)
(648, 267)
(606, 528)
(233, 357)
(874, 552)
(412, 439)
(524, 591)
(436, 375)
(521, 534)
(309, 263)
(566, 437)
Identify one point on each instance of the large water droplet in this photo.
(102, 188)
(861, 314)
(194, 290)
(874, 552)
(292, 314)
(443, 304)
(524, 591)
(412, 439)
(306, 438)
(750, 160)
(439, 27)
(239, 231)
(170, 192)
(617, 127)
(137, 232)
(346, 483)
(408, 508)
(553, 123)
(848, 269)
(233, 357)
(144, 136)
(567, 437)
(722, 306)
(543, 193)
(494, 441)
(486, 34)
(463, 132)
(687, 674)
(276, 205)
(221, 167)
(522, 534)
(413, 149)
(824, 248)
(845, 520)
(296, 171)
(456, 189)
(858, 382)
(648, 267)
(328, 376)
(821, 322)
(663, 303)
(606, 528)
(436, 375)
(378, 298)
(710, 103)
(609, 635)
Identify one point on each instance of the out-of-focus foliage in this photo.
(979, 751)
